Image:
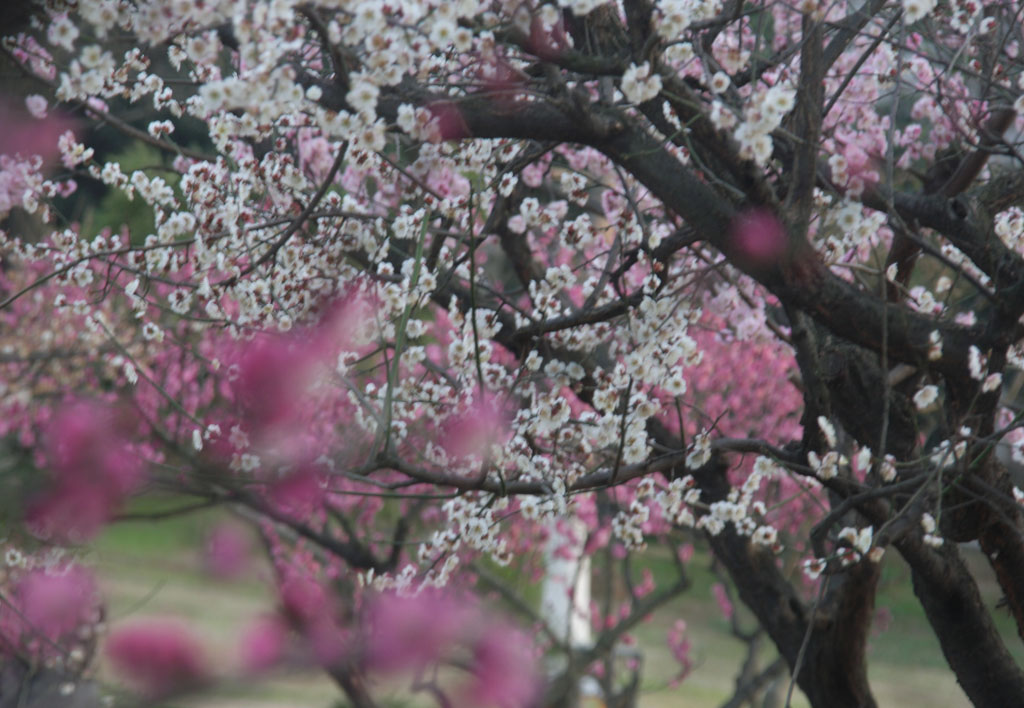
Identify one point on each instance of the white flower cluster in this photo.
(581, 8)
(738, 509)
(914, 10)
(1009, 224)
(826, 467)
(675, 502)
(964, 15)
(471, 523)
(860, 540)
(925, 398)
(676, 16)
(929, 526)
(700, 450)
(763, 114)
(850, 229)
(934, 346)
(947, 452)
(627, 526)
(639, 84)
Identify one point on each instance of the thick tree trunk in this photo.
(968, 637)
(833, 670)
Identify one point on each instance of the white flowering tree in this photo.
(407, 284)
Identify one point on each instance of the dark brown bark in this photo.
(833, 670)
(969, 639)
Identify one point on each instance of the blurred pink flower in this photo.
(411, 632)
(450, 123)
(304, 600)
(309, 610)
(758, 237)
(93, 469)
(70, 511)
(55, 603)
(299, 494)
(472, 432)
(680, 647)
(27, 135)
(504, 670)
(263, 644)
(161, 657)
(36, 105)
(228, 551)
(269, 383)
(722, 598)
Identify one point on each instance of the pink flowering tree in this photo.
(414, 287)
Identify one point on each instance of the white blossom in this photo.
(926, 397)
(639, 85)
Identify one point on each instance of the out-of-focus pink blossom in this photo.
(36, 105)
(308, 609)
(722, 598)
(93, 469)
(327, 641)
(160, 657)
(504, 671)
(315, 155)
(758, 238)
(55, 603)
(547, 42)
(473, 431)
(500, 80)
(450, 123)
(70, 511)
(263, 644)
(685, 552)
(269, 382)
(228, 551)
(680, 647)
(409, 632)
(275, 374)
(28, 135)
(299, 494)
(304, 600)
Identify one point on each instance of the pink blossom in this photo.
(410, 632)
(473, 431)
(227, 552)
(504, 670)
(315, 155)
(55, 603)
(70, 511)
(94, 470)
(304, 600)
(758, 238)
(547, 42)
(26, 135)
(263, 644)
(160, 657)
(36, 105)
(685, 553)
(450, 123)
(267, 387)
(299, 494)
(722, 598)
(680, 647)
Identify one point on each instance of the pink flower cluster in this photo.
(159, 656)
(93, 470)
(397, 634)
(47, 610)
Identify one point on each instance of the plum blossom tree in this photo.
(409, 284)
